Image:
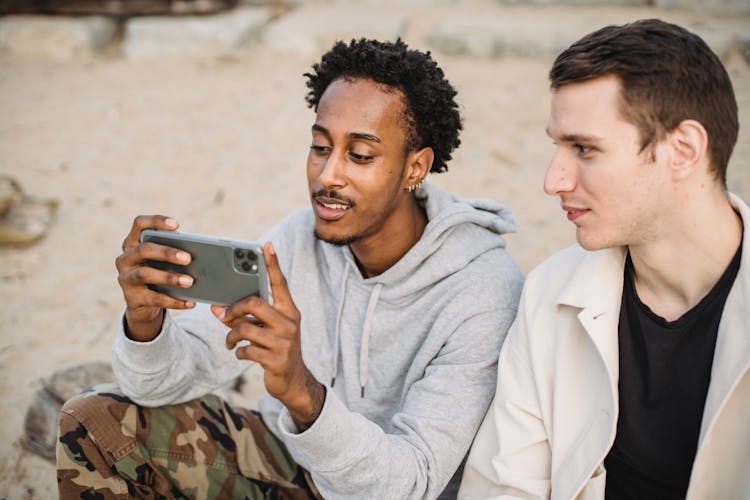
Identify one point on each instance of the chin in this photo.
(335, 239)
(593, 245)
(592, 242)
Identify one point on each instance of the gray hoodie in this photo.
(409, 357)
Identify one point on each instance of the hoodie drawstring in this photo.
(337, 337)
(364, 350)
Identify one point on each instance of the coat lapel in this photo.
(596, 289)
(732, 353)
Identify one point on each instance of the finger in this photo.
(252, 308)
(137, 293)
(253, 353)
(273, 365)
(220, 311)
(142, 222)
(252, 333)
(146, 297)
(149, 251)
(146, 275)
(282, 299)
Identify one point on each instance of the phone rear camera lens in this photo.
(246, 266)
(239, 253)
(251, 256)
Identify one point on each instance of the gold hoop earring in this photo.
(416, 186)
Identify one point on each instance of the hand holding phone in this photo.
(144, 312)
(223, 270)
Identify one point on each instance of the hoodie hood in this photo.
(458, 231)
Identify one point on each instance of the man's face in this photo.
(355, 168)
(609, 188)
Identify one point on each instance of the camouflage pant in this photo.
(111, 448)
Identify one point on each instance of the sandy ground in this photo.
(220, 144)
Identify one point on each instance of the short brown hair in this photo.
(667, 74)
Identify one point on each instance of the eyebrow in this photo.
(354, 135)
(576, 137)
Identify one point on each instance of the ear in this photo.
(418, 164)
(689, 144)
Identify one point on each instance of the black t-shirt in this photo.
(665, 371)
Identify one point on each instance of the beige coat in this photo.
(554, 416)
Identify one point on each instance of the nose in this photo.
(561, 174)
(331, 170)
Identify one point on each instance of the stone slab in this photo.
(56, 38)
(702, 5)
(151, 37)
(543, 32)
(312, 29)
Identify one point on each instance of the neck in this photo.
(376, 253)
(675, 271)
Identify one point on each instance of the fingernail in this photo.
(222, 314)
(170, 222)
(271, 250)
(186, 281)
(183, 256)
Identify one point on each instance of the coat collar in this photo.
(732, 352)
(593, 291)
(595, 287)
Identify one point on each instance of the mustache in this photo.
(335, 195)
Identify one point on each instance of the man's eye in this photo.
(582, 149)
(358, 157)
(319, 149)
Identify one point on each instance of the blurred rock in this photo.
(40, 425)
(56, 38)
(150, 37)
(23, 218)
(71, 381)
(743, 46)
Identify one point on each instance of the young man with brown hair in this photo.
(627, 371)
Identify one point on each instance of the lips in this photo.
(575, 213)
(330, 209)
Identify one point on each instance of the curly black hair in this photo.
(432, 118)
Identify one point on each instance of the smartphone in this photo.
(223, 270)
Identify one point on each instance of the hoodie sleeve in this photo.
(352, 457)
(188, 359)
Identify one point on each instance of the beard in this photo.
(338, 241)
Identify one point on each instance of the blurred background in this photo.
(195, 109)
